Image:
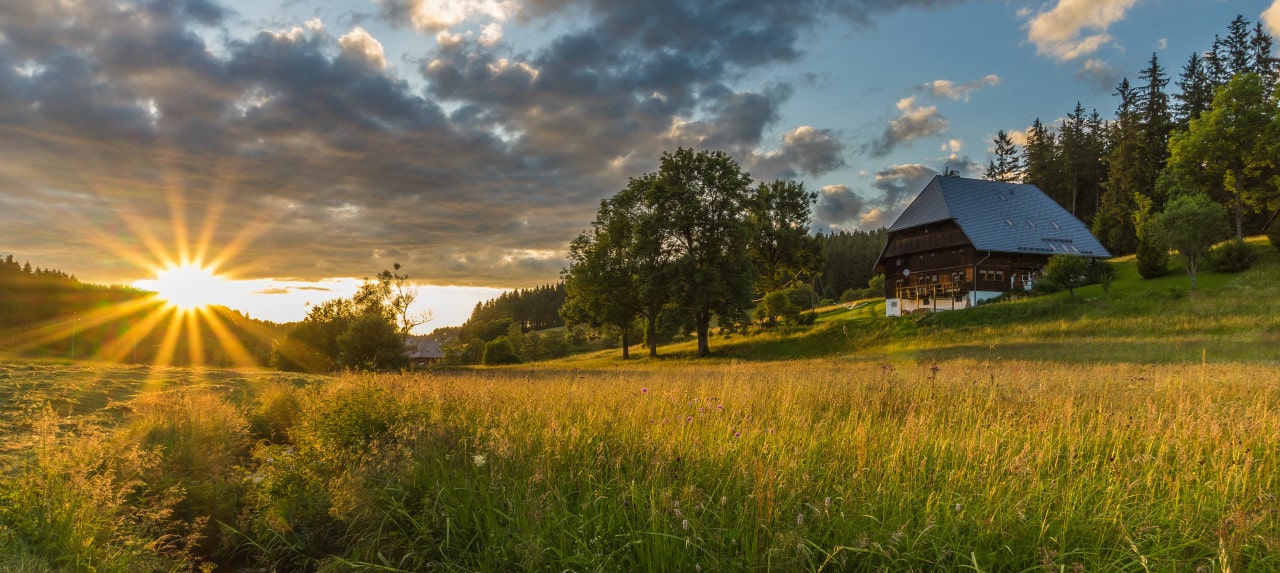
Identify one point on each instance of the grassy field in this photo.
(1134, 430)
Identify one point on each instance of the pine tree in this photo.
(1156, 122)
(1006, 166)
(1264, 63)
(1237, 46)
(1196, 90)
(1127, 174)
(1039, 159)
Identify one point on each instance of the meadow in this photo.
(1131, 430)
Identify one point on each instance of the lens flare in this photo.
(188, 287)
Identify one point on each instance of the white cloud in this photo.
(1271, 18)
(913, 123)
(491, 34)
(1018, 137)
(438, 15)
(1074, 29)
(952, 90)
(360, 44)
(953, 146)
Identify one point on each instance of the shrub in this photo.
(499, 351)
(1231, 256)
(201, 440)
(1153, 259)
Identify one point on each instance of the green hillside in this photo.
(1230, 317)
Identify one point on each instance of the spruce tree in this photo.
(1006, 166)
(1196, 90)
(1127, 174)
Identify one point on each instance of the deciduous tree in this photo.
(1192, 224)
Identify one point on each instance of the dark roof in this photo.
(1001, 217)
(421, 347)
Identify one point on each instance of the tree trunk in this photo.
(1239, 208)
(626, 344)
(651, 334)
(704, 327)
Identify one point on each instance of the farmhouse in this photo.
(423, 350)
(962, 241)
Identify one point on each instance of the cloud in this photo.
(815, 151)
(298, 153)
(960, 92)
(358, 43)
(1271, 18)
(953, 146)
(913, 122)
(441, 15)
(1074, 29)
(898, 184)
(1099, 74)
(838, 207)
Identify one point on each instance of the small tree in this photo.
(1067, 271)
(1153, 249)
(499, 351)
(372, 343)
(1192, 224)
(777, 304)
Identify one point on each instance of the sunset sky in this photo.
(298, 145)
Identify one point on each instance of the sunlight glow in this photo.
(188, 287)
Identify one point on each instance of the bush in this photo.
(1153, 259)
(499, 351)
(1231, 256)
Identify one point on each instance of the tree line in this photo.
(1217, 134)
(50, 313)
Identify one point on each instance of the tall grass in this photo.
(821, 465)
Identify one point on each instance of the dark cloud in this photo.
(898, 184)
(296, 153)
(913, 122)
(892, 190)
(838, 207)
(1099, 74)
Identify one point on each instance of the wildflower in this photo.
(719, 406)
(644, 390)
(678, 514)
(688, 419)
(478, 459)
(958, 507)
(723, 499)
(826, 503)
(684, 524)
(799, 519)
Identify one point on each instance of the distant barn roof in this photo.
(1001, 217)
(423, 348)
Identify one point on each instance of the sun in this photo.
(187, 287)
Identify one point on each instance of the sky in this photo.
(296, 146)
